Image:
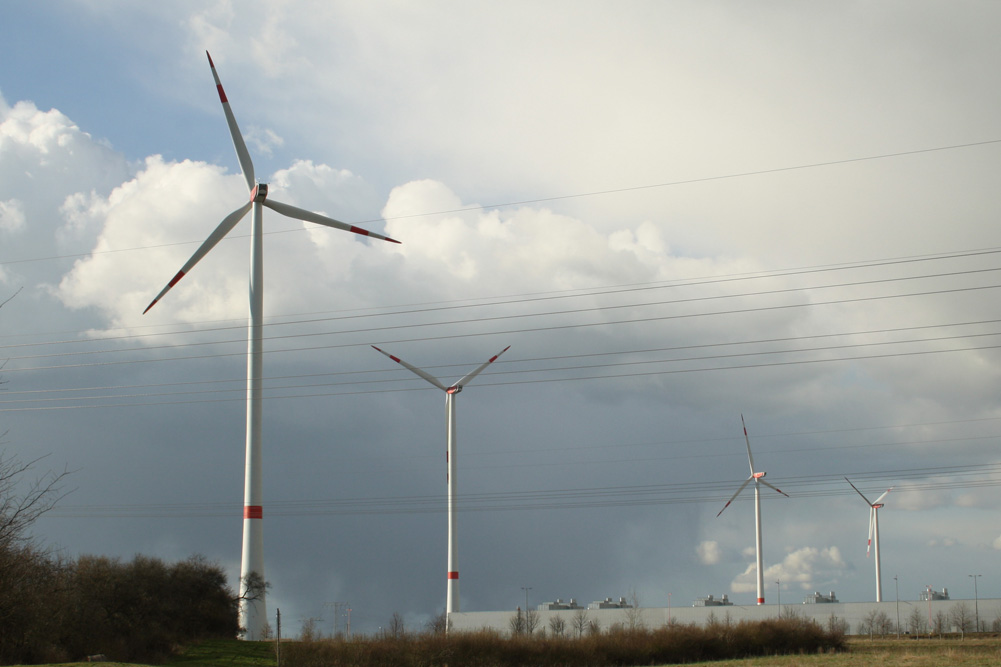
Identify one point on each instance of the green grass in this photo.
(226, 653)
(209, 653)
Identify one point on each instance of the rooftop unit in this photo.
(558, 605)
(710, 601)
(817, 598)
(929, 594)
(607, 603)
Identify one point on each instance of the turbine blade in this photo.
(742, 487)
(427, 376)
(880, 499)
(750, 460)
(860, 493)
(469, 377)
(242, 154)
(773, 487)
(309, 216)
(217, 235)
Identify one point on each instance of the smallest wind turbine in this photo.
(758, 478)
(874, 534)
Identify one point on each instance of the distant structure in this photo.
(559, 605)
(817, 598)
(758, 478)
(929, 594)
(874, 508)
(452, 441)
(607, 603)
(710, 601)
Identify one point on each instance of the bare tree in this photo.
(579, 622)
(875, 623)
(836, 625)
(940, 623)
(917, 623)
(962, 617)
(517, 623)
(438, 624)
(557, 625)
(531, 621)
(254, 587)
(634, 616)
(23, 500)
(396, 627)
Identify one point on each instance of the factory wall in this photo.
(852, 613)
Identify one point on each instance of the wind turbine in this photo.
(253, 615)
(758, 478)
(452, 591)
(874, 534)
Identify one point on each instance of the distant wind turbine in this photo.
(874, 534)
(758, 478)
(452, 590)
(253, 614)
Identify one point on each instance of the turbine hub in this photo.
(259, 193)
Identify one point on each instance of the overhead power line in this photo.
(553, 198)
(694, 492)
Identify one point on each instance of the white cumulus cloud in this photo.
(709, 552)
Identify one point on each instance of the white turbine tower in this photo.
(452, 590)
(874, 534)
(253, 614)
(758, 478)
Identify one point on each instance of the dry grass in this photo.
(888, 653)
(617, 648)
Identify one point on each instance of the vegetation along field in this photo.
(968, 652)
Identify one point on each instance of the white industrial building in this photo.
(821, 608)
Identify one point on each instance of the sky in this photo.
(675, 213)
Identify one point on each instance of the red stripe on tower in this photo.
(253, 512)
(761, 600)
(453, 575)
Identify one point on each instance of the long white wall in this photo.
(851, 612)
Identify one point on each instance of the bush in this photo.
(141, 611)
(619, 647)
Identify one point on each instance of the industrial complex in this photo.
(934, 612)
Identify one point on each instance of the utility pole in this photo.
(778, 588)
(278, 639)
(526, 589)
(896, 594)
(976, 598)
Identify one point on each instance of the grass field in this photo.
(889, 653)
(879, 652)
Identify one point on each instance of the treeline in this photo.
(55, 610)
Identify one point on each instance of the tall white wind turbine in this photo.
(253, 615)
(874, 534)
(758, 478)
(452, 590)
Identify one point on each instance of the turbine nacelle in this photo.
(758, 475)
(259, 193)
(454, 389)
